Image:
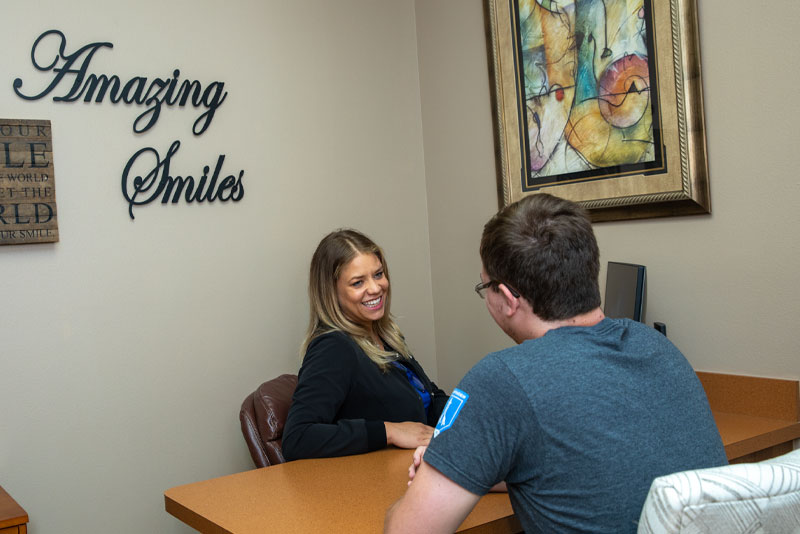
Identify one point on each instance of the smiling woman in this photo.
(359, 388)
(361, 290)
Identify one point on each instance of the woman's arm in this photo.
(324, 381)
(408, 434)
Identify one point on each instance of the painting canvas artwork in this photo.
(580, 86)
(588, 102)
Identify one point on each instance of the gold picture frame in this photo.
(537, 76)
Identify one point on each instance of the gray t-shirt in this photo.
(578, 423)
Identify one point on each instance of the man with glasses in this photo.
(580, 416)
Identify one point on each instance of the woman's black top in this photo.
(343, 398)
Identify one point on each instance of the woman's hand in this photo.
(415, 463)
(408, 434)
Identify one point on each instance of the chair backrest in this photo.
(762, 497)
(262, 417)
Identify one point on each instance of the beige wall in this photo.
(128, 346)
(724, 284)
(460, 171)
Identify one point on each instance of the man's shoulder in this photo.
(494, 370)
(494, 362)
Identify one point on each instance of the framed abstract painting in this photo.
(600, 102)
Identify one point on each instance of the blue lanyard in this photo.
(417, 384)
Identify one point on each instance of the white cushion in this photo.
(754, 498)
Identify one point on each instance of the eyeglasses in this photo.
(481, 288)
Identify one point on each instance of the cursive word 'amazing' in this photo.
(80, 83)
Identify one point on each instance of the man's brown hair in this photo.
(544, 247)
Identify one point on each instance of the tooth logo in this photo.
(451, 410)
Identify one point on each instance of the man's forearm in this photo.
(432, 504)
(391, 521)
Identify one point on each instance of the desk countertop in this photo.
(347, 494)
(757, 417)
(11, 513)
(745, 434)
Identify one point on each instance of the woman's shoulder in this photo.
(333, 338)
(334, 344)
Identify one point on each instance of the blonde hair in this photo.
(333, 253)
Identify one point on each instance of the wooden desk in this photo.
(348, 494)
(13, 519)
(758, 418)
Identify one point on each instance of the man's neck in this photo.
(540, 327)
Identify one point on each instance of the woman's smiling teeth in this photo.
(373, 303)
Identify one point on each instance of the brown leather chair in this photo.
(263, 415)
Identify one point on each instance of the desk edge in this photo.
(20, 516)
(750, 445)
(191, 518)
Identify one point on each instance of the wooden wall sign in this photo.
(28, 211)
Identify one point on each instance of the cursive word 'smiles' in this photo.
(156, 181)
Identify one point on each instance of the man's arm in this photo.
(433, 503)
